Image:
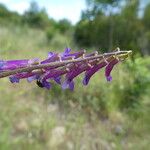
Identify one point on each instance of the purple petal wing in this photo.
(65, 85)
(50, 54)
(14, 79)
(46, 84)
(58, 80)
(93, 70)
(33, 61)
(109, 68)
(14, 64)
(30, 79)
(52, 58)
(71, 85)
(67, 51)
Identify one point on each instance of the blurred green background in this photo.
(100, 116)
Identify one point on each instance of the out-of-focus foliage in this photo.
(64, 25)
(105, 24)
(146, 17)
(8, 17)
(122, 25)
(36, 17)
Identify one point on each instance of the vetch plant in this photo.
(63, 68)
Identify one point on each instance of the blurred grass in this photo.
(100, 116)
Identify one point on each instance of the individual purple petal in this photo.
(30, 79)
(50, 54)
(109, 78)
(71, 85)
(57, 80)
(53, 58)
(93, 70)
(75, 55)
(109, 68)
(34, 61)
(65, 85)
(29, 75)
(14, 64)
(68, 85)
(46, 84)
(14, 79)
(2, 63)
(66, 52)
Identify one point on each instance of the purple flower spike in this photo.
(56, 65)
(109, 68)
(92, 71)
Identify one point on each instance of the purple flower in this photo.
(53, 74)
(50, 54)
(109, 68)
(52, 57)
(46, 84)
(58, 79)
(29, 75)
(14, 79)
(32, 78)
(2, 63)
(68, 83)
(92, 71)
(66, 52)
(43, 84)
(74, 55)
(13, 64)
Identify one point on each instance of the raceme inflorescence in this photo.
(62, 68)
